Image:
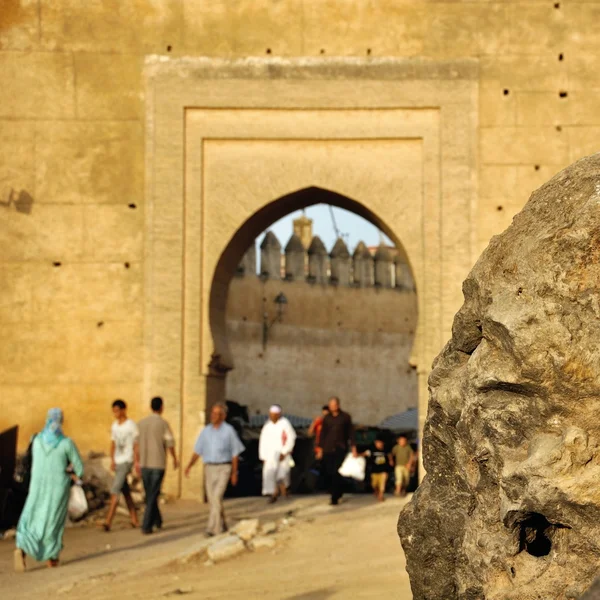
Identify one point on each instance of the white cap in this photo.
(275, 408)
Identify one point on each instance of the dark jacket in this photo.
(336, 432)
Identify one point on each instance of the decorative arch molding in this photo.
(226, 138)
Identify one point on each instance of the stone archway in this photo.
(365, 301)
(224, 138)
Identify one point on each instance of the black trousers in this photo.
(152, 479)
(332, 461)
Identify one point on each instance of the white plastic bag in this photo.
(78, 505)
(353, 467)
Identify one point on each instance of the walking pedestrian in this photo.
(316, 426)
(219, 447)
(401, 458)
(337, 433)
(378, 463)
(156, 438)
(42, 524)
(275, 446)
(125, 455)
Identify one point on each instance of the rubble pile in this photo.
(248, 535)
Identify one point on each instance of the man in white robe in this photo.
(275, 447)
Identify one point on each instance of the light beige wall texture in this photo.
(332, 340)
(72, 131)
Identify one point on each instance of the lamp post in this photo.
(281, 302)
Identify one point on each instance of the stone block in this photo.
(262, 542)
(90, 162)
(38, 85)
(225, 548)
(524, 73)
(15, 292)
(583, 141)
(536, 28)
(20, 25)
(523, 145)
(147, 27)
(113, 233)
(463, 29)
(49, 233)
(220, 28)
(109, 86)
(583, 34)
(497, 181)
(17, 153)
(97, 292)
(352, 28)
(539, 109)
(246, 529)
(197, 550)
(496, 107)
(268, 528)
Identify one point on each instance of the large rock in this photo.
(510, 505)
(246, 529)
(225, 548)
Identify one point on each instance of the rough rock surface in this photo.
(246, 529)
(510, 505)
(225, 548)
(263, 541)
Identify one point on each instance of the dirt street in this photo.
(350, 551)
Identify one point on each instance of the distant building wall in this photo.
(345, 340)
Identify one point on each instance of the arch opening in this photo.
(221, 359)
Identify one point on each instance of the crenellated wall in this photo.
(347, 329)
(385, 268)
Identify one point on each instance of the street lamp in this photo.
(281, 302)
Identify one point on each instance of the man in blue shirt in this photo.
(219, 447)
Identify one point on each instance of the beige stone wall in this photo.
(351, 342)
(72, 138)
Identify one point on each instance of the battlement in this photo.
(382, 267)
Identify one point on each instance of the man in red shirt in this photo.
(317, 425)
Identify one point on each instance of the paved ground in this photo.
(350, 551)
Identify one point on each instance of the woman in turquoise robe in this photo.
(42, 523)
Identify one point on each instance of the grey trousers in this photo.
(216, 478)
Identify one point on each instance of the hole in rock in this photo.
(268, 50)
(500, 208)
(56, 264)
(519, 291)
(368, 51)
(337, 362)
(132, 205)
(561, 56)
(559, 128)
(322, 51)
(537, 167)
(169, 48)
(563, 94)
(506, 92)
(127, 265)
(100, 324)
(557, 5)
(535, 535)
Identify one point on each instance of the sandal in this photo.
(53, 563)
(19, 560)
